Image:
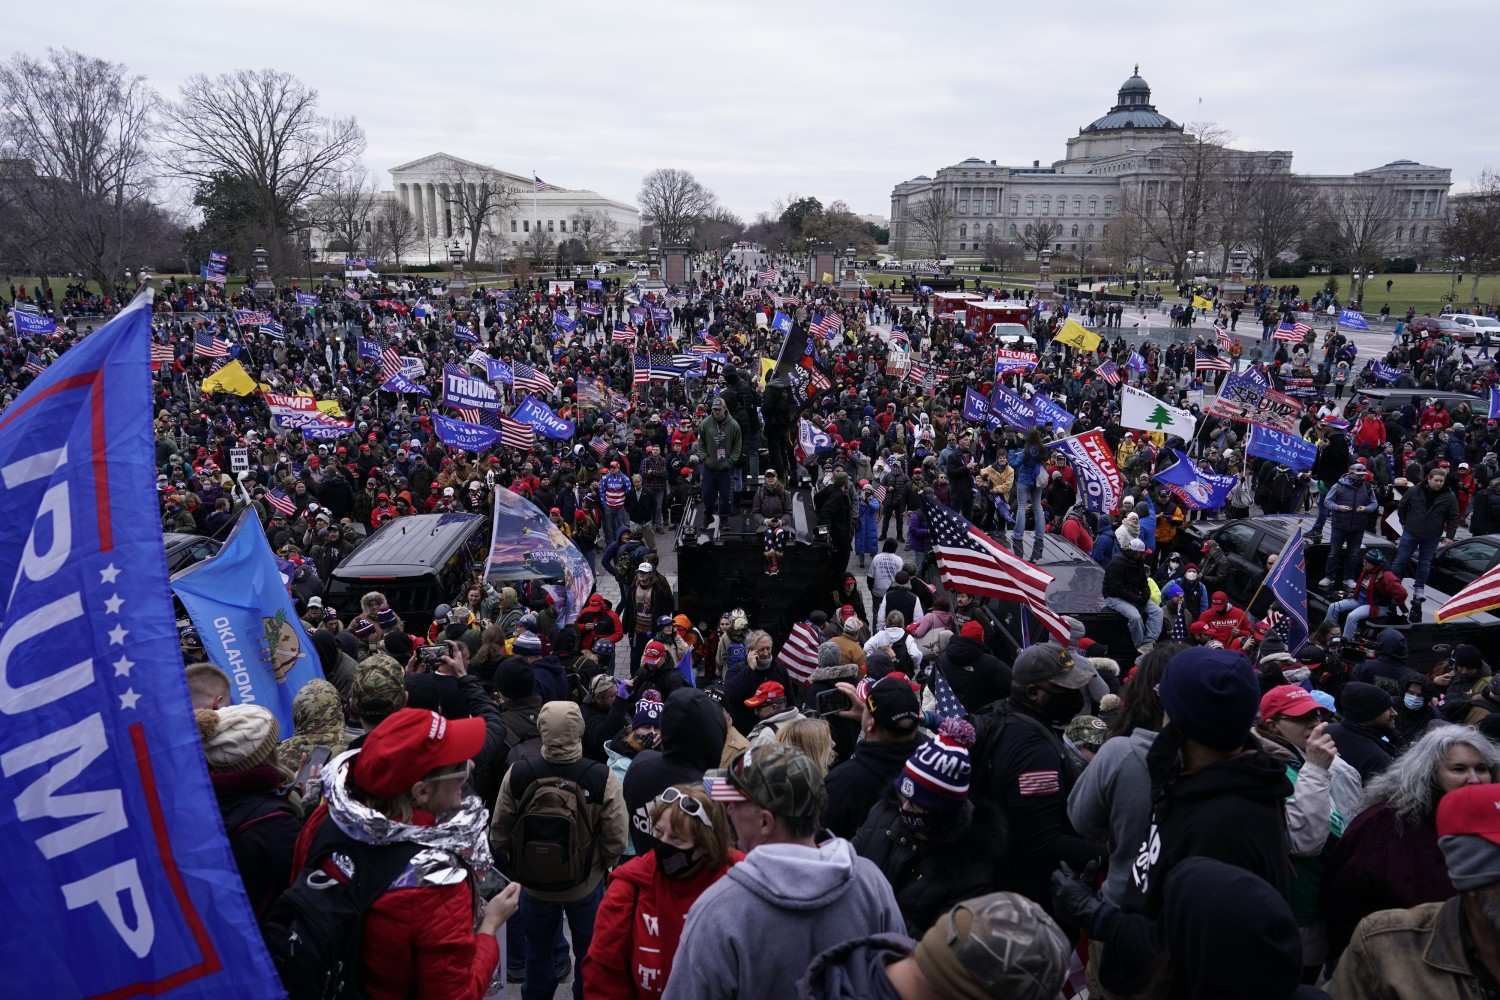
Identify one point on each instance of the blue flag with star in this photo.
(1287, 584)
(250, 630)
(112, 850)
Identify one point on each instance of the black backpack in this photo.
(315, 929)
(552, 840)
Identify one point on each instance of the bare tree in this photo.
(538, 245)
(932, 218)
(343, 210)
(1230, 199)
(83, 127)
(598, 231)
(672, 201)
(1040, 235)
(1173, 203)
(477, 198)
(1124, 245)
(717, 226)
(493, 249)
(396, 231)
(1473, 230)
(263, 128)
(1360, 223)
(1279, 211)
(1001, 253)
(838, 225)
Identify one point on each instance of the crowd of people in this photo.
(928, 812)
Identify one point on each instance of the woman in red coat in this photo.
(404, 791)
(640, 919)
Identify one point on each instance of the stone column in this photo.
(434, 229)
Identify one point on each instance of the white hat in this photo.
(315, 601)
(447, 491)
(645, 567)
(1136, 545)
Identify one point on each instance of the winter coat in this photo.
(962, 859)
(855, 785)
(1417, 952)
(1126, 578)
(784, 900)
(1232, 811)
(1111, 804)
(718, 443)
(661, 601)
(262, 825)
(1381, 863)
(637, 926)
(1351, 491)
(740, 683)
(977, 677)
(1364, 749)
(855, 970)
(867, 532)
(692, 741)
(1484, 514)
(1425, 513)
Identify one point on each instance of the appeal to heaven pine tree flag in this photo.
(1145, 412)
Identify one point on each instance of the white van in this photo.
(1468, 326)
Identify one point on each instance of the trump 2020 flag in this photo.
(1353, 320)
(1287, 583)
(115, 867)
(250, 630)
(1197, 489)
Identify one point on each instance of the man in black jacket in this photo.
(1426, 511)
(692, 741)
(1021, 767)
(1367, 721)
(976, 676)
(889, 713)
(1127, 592)
(836, 512)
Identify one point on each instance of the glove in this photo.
(1074, 900)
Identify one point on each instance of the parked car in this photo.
(1387, 400)
(1247, 542)
(185, 550)
(1470, 326)
(1460, 563)
(417, 562)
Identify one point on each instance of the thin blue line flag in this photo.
(250, 630)
(112, 850)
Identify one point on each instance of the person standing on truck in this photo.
(718, 451)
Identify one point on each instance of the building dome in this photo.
(1133, 109)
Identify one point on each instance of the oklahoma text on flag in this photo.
(112, 849)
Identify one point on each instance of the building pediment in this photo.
(437, 165)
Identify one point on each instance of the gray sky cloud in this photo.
(836, 100)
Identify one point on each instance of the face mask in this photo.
(1412, 701)
(916, 823)
(1192, 577)
(1062, 706)
(674, 861)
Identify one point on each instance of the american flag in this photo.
(515, 434)
(900, 335)
(1225, 341)
(659, 364)
(205, 345)
(972, 562)
(162, 354)
(800, 652)
(529, 378)
(1179, 626)
(712, 342)
(390, 364)
(623, 335)
(281, 503)
(702, 349)
(590, 394)
(1110, 372)
(599, 446)
(767, 276)
(921, 373)
(1209, 363)
(831, 325)
(1292, 333)
(879, 491)
(687, 362)
(948, 705)
(34, 364)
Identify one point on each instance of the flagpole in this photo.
(1279, 556)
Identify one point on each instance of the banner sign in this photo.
(252, 317)
(30, 324)
(462, 390)
(1015, 411)
(1049, 412)
(1013, 361)
(977, 409)
(1301, 387)
(306, 301)
(1384, 372)
(527, 545)
(1143, 411)
(1098, 476)
(540, 416)
(112, 848)
(462, 434)
(1290, 450)
(1198, 490)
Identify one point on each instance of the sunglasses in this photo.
(687, 804)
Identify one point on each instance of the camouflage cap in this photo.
(379, 687)
(1002, 944)
(1087, 732)
(775, 776)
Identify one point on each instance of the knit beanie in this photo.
(1361, 703)
(1468, 827)
(386, 618)
(237, 737)
(527, 644)
(1211, 695)
(647, 710)
(936, 775)
(379, 687)
(829, 654)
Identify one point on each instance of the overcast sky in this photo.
(764, 99)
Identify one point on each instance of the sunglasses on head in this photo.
(687, 804)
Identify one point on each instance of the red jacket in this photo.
(637, 927)
(1370, 432)
(1221, 624)
(419, 941)
(1380, 588)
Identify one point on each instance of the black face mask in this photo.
(916, 823)
(1061, 706)
(674, 861)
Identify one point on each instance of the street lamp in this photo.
(456, 257)
(263, 288)
(1044, 270)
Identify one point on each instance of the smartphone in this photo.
(831, 702)
(312, 766)
(431, 655)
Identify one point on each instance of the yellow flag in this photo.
(331, 407)
(827, 277)
(767, 366)
(1075, 335)
(1202, 304)
(231, 378)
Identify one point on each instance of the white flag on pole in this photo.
(1144, 411)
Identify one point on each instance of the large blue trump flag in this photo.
(250, 630)
(115, 869)
(1287, 583)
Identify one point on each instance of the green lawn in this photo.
(1427, 292)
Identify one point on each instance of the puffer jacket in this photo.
(1351, 491)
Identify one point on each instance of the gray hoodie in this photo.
(1111, 803)
(755, 931)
